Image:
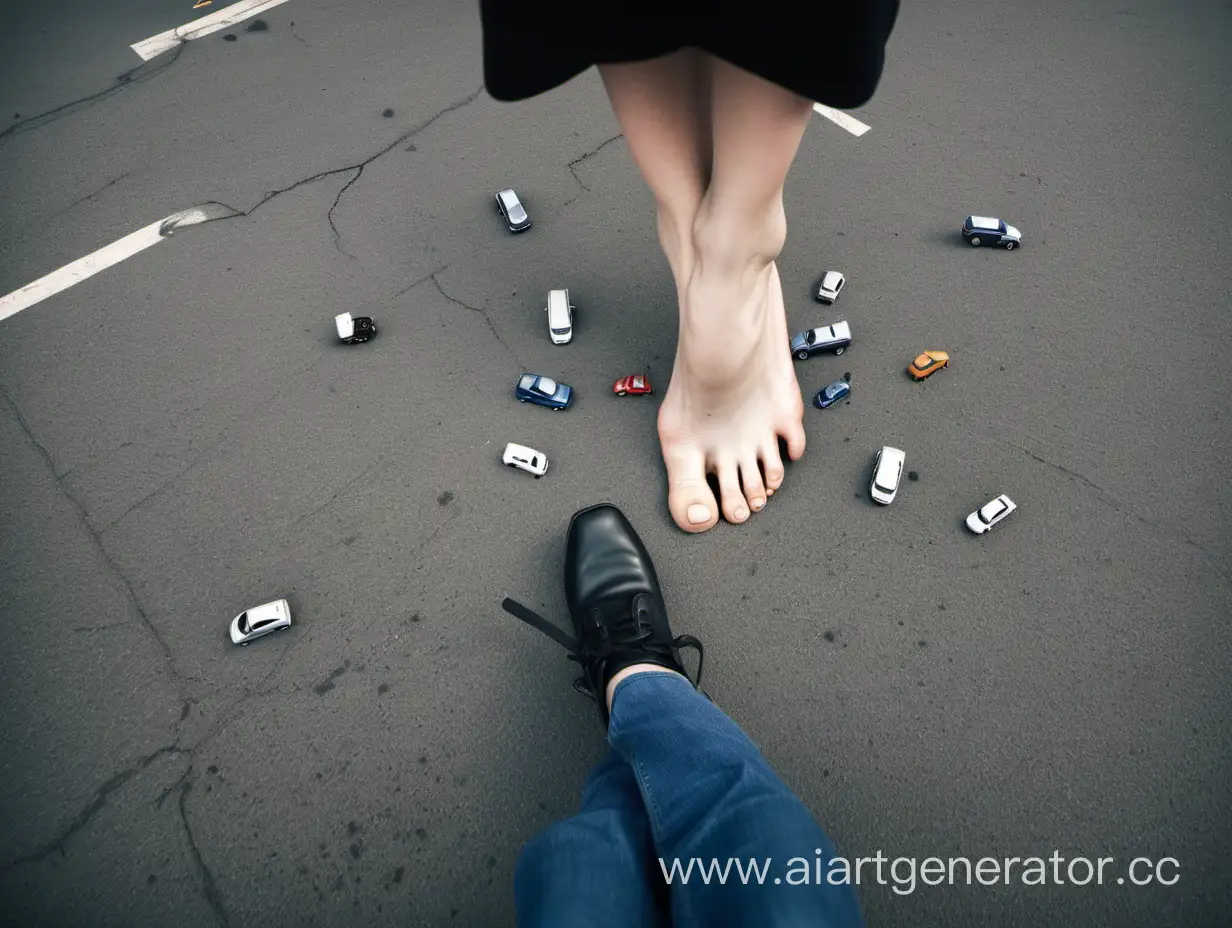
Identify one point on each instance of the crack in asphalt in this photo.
(208, 886)
(350, 484)
(91, 196)
(357, 167)
(475, 309)
(108, 560)
(586, 156)
(92, 808)
(359, 172)
(1111, 501)
(127, 79)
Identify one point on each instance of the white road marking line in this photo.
(839, 118)
(91, 264)
(228, 16)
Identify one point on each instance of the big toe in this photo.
(692, 504)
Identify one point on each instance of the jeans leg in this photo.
(594, 870)
(710, 795)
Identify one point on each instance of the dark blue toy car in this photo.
(829, 395)
(543, 391)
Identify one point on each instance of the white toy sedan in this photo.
(831, 284)
(527, 459)
(262, 620)
(990, 514)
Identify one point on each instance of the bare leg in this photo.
(714, 144)
(734, 392)
(663, 106)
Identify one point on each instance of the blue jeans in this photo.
(682, 784)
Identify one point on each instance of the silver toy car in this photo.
(512, 210)
(834, 338)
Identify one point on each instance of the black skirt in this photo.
(829, 52)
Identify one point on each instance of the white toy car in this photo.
(887, 472)
(831, 284)
(354, 329)
(560, 317)
(527, 459)
(990, 514)
(270, 617)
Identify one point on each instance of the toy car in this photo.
(887, 472)
(270, 617)
(831, 284)
(927, 364)
(834, 338)
(985, 230)
(543, 391)
(831, 394)
(527, 459)
(637, 384)
(354, 329)
(512, 210)
(990, 514)
(560, 317)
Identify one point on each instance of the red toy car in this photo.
(634, 383)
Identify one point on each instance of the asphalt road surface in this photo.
(182, 438)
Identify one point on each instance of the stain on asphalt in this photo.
(913, 475)
(229, 37)
(921, 643)
(383, 688)
(828, 635)
(328, 684)
(415, 617)
(421, 834)
(387, 113)
(941, 606)
(446, 498)
(212, 768)
(350, 540)
(491, 862)
(398, 874)
(352, 828)
(356, 849)
(257, 25)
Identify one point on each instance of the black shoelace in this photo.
(631, 637)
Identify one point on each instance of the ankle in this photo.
(631, 670)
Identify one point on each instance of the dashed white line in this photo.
(841, 119)
(91, 264)
(228, 16)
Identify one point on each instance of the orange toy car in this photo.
(928, 364)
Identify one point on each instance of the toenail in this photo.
(699, 513)
(757, 504)
(741, 513)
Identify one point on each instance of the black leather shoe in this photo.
(617, 607)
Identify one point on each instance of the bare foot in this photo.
(732, 395)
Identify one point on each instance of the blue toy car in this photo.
(988, 230)
(829, 395)
(543, 391)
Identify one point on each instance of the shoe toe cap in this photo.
(605, 559)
